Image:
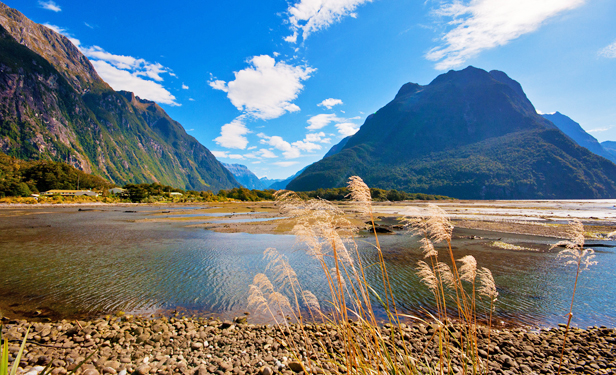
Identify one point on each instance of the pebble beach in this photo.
(136, 345)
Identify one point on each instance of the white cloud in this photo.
(285, 163)
(347, 128)
(599, 130)
(609, 51)
(184, 87)
(288, 151)
(226, 155)
(267, 153)
(123, 72)
(232, 134)
(251, 148)
(124, 80)
(64, 32)
(316, 137)
(308, 16)
(266, 89)
(88, 25)
(485, 24)
(191, 99)
(50, 5)
(329, 103)
(220, 154)
(322, 120)
(306, 146)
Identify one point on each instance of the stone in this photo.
(109, 370)
(90, 371)
(295, 366)
(266, 370)
(143, 370)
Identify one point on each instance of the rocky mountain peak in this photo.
(55, 48)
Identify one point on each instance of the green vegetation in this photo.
(114, 134)
(469, 135)
(19, 178)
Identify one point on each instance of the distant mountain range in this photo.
(245, 177)
(468, 134)
(54, 106)
(579, 135)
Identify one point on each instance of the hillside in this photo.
(244, 176)
(62, 115)
(578, 134)
(22, 178)
(468, 134)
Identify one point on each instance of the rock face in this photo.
(53, 47)
(468, 134)
(579, 135)
(54, 106)
(244, 176)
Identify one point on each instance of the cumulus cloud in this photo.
(309, 16)
(232, 134)
(609, 51)
(320, 121)
(184, 87)
(344, 125)
(317, 137)
(125, 72)
(485, 24)
(50, 5)
(329, 103)
(267, 153)
(124, 80)
(288, 151)
(266, 89)
(347, 128)
(129, 73)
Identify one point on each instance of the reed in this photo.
(574, 253)
(369, 343)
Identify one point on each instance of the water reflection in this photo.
(94, 262)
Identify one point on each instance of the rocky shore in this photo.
(125, 345)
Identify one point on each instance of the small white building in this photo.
(175, 194)
(70, 193)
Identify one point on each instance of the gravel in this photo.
(136, 345)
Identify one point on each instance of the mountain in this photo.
(54, 106)
(281, 185)
(337, 147)
(244, 176)
(269, 182)
(468, 134)
(609, 146)
(579, 135)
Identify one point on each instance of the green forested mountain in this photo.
(468, 134)
(21, 178)
(54, 106)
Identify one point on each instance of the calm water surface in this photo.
(71, 263)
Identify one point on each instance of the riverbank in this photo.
(199, 346)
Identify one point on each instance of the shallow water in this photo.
(70, 263)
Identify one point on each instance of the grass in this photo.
(369, 344)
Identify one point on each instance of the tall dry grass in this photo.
(371, 344)
(574, 253)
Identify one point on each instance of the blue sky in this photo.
(274, 84)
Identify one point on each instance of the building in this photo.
(70, 193)
(175, 194)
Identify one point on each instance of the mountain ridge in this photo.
(116, 135)
(467, 134)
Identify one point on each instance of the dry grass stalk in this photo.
(575, 254)
(364, 349)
